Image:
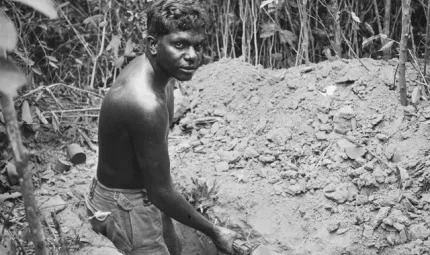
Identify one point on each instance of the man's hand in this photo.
(224, 239)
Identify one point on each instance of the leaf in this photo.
(25, 113)
(114, 45)
(39, 114)
(95, 19)
(4, 197)
(355, 152)
(287, 36)
(51, 58)
(119, 62)
(387, 45)
(36, 71)
(129, 47)
(11, 77)
(369, 40)
(53, 65)
(369, 28)
(266, 2)
(44, 6)
(357, 19)
(267, 30)
(55, 122)
(8, 33)
(416, 94)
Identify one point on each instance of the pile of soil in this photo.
(318, 159)
(311, 160)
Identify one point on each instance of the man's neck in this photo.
(158, 78)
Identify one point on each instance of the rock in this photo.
(333, 227)
(341, 125)
(403, 236)
(326, 128)
(215, 128)
(266, 159)
(251, 153)
(222, 166)
(398, 226)
(381, 137)
(379, 175)
(261, 125)
(368, 231)
(419, 231)
(289, 174)
(219, 112)
(390, 150)
(341, 231)
(279, 136)
(182, 104)
(346, 112)
(229, 156)
(341, 192)
(380, 216)
(321, 136)
(376, 119)
(323, 118)
(425, 198)
(325, 105)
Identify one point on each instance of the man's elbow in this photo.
(158, 194)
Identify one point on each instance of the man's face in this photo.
(179, 53)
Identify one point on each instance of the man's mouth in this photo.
(188, 69)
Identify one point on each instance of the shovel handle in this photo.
(241, 247)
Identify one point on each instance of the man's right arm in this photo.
(148, 125)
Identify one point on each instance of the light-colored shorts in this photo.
(127, 218)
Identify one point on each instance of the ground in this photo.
(318, 159)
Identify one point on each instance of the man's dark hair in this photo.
(167, 16)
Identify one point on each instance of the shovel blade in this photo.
(263, 250)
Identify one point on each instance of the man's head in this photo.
(176, 32)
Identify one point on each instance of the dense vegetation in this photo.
(93, 39)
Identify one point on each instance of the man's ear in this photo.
(152, 44)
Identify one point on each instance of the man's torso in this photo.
(118, 166)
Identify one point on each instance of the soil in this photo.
(318, 159)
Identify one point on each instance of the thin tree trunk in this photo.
(21, 160)
(387, 19)
(243, 17)
(406, 4)
(337, 28)
(305, 31)
(426, 56)
(378, 19)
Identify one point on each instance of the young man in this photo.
(133, 176)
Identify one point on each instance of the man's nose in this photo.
(191, 54)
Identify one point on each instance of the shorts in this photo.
(127, 218)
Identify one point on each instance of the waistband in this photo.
(96, 184)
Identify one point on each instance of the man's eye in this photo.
(199, 46)
(179, 45)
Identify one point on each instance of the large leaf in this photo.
(387, 45)
(287, 36)
(369, 28)
(8, 33)
(369, 40)
(267, 30)
(357, 19)
(416, 94)
(266, 2)
(114, 45)
(11, 77)
(44, 6)
(95, 19)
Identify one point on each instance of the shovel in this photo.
(242, 248)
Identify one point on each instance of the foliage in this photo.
(94, 39)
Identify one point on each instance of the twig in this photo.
(55, 99)
(60, 84)
(72, 110)
(87, 139)
(18, 242)
(63, 241)
(49, 228)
